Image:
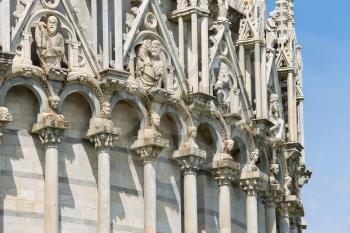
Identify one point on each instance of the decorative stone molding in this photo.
(5, 117)
(149, 144)
(253, 182)
(103, 133)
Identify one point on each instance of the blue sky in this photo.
(323, 29)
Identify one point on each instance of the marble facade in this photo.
(150, 116)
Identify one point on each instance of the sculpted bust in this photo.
(149, 66)
(49, 43)
(274, 170)
(53, 111)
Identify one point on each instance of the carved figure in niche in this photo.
(223, 9)
(149, 66)
(222, 87)
(228, 145)
(253, 159)
(274, 170)
(288, 184)
(277, 129)
(53, 111)
(130, 17)
(49, 43)
(190, 144)
(155, 120)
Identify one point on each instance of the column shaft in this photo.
(181, 42)
(5, 25)
(284, 224)
(194, 47)
(264, 101)
(248, 77)
(118, 34)
(205, 55)
(291, 100)
(225, 209)
(271, 219)
(94, 24)
(105, 57)
(150, 197)
(258, 83)
(242, 61)
(51, 189)
(252, 213)
(104, 191)
(190, 203)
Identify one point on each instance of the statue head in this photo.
(52, 24)
(275, 168)
(288, 181)
(228, 145)
(54, 101)
(155, 48)
(155, 119)
(254, 156)
(106, 110)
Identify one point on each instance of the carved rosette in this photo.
(5, 117)
(149, 144)
(102, 133)
(225, 170)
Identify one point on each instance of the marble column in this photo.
(106, 33)
(193, 68)
(148, 146)
(5, 26)
(271, 224)
(284, 225)
(118, 34)
(205, 55)
(51, 139)
(291, 103)
(248, 77)
(258, 84)
(224, 171)
(181, 43)
(264, 100)
(103, 135)
(189, 157)
(242, 61)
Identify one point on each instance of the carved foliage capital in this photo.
(190, 163)
(51, 137)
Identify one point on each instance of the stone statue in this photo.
(223, 9)
(53, 111)
(288, 185)
(253, 158)
(130, 17)
(149, 66)
(228, 146)
(277, 129)
(222, 87)
(49, 43)
(274, 170)
(155, 120)
(181, 4)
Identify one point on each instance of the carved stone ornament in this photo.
(50, 43)
(5, 117)
(51, 4)
(149, 65)
(222, 87)
(276, 131)
(223, 9)
(150, 21)
(274, 170)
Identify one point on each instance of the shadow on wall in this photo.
(21, 163)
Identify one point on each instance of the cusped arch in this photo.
(90, 96)
(31, 84)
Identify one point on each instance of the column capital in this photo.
(189, 156)
(103, 133)
(5, 117)
(149, 144)
(253, 182)
(274, 195)
(224, 169)
(50, 129)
